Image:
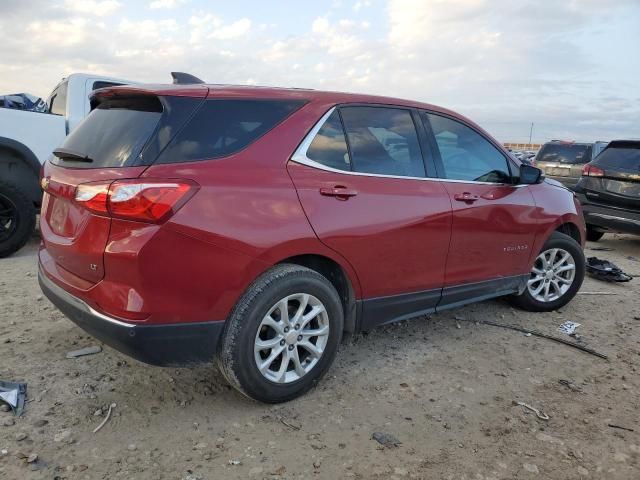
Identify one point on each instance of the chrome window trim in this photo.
(300, 157)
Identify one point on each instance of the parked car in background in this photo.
(609, 190)
(27, 138)
(563, 161)
(256, 225)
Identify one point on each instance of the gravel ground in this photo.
(445, 388)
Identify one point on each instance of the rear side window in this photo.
(383, 140)
(58, 100)
(329, 146)
(223, 127)
(114, 133)
(624, 156)
(467, 155)
(564, 153)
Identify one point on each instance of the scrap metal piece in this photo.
(14, 393)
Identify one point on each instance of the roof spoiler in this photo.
(181, 78)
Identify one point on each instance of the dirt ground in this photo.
(444, 388)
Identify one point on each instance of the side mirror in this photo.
(530, 175)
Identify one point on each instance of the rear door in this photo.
(107, 146)
(493, 219)
(367, 195)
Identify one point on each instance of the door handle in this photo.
(465, 197)
(340, 192)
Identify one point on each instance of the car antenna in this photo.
(181, 78)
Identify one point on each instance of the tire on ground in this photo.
(235, 356)
(526, 301)
(25, 220)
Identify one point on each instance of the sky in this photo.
(570, 67)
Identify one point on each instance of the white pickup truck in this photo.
(26, 141)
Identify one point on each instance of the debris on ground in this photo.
(602, 249)
(570, 385)
(568, 327)
(605, 270)
(14, 394)
(538, 334)
(106, 418)
(386, 439)
(92, 350)
(620, 427)
(541, 415)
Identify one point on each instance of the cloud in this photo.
(166, 4)
(236, 29)
(503, 63)
(92, 7)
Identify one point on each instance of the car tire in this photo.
(257, 332)
(17, 218)
(593, 235)
(553, 276)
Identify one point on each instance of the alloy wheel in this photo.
(552, 275)
(291, 338)
(8, 217)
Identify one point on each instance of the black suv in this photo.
(609, 190)
(563, 161)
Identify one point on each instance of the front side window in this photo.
(329, 146)
(223, 127)
(466, 155)
(383, 140)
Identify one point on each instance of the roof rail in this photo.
(181, 78)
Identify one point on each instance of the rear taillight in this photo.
(150, 201)
(591, 171)
(93, 197)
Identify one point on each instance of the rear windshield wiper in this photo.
(66, 154)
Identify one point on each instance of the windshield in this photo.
(564, 153)
(114, 133)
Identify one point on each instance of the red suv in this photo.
(183, 224)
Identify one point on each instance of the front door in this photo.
(493, 219)
(368, 197)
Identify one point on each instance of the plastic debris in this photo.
(605, 270)
(85, 351)
(14, 394)
(568, 327)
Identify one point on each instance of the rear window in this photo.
(114, 133)
(223, 127)
(623, 157)
(564, 153)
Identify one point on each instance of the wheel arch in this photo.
(339, 278)
(20, 166)
(572, 230)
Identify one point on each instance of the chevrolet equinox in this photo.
(252, 226)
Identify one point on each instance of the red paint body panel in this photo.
(492, 236)
(395, 232)
(256, 208)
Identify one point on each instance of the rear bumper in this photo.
(169, 345)
(614, 219)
